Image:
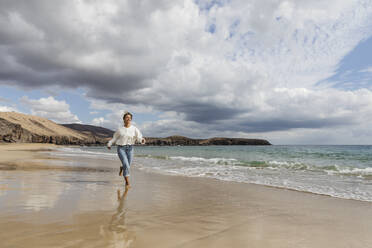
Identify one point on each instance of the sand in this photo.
(50, 204)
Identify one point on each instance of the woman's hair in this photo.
(127, 113)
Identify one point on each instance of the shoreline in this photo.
(32, 151)
(67, 208)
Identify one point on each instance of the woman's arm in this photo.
(113, 140)
(139, 136)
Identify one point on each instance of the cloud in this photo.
(368, 70)
(50, 108)
(8, 109)
(79, 45)
(100, 121)
(112, 120)
(255, 71)
(4, 99)
(325, 113)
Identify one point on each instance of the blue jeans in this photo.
(125, 154)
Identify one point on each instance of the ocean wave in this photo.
(151, 156)
(330, 177)
(317, 185)
(341, 170)
(330, 169)
(274, 165)
(71, 152)
(365, 173)
(226, 161)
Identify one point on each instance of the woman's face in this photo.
(127, 119)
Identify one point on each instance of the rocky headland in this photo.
(184, 141)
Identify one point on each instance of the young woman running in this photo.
(125, 137)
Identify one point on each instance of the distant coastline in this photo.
(22, 128)
(185, 141)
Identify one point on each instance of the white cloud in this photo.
(112, 120)
(8, 109)
(100, 121)
(50, 108)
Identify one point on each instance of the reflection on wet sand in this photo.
(83, 208)
(53, 203)
(118, 234)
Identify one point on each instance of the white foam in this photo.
(205, 160)
(307, 181)
(72, 152)
(357, 171)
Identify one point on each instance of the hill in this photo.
(17, 127)
(100, 132)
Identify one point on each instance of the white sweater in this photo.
(126, 136)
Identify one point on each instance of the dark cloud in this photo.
(274, 124)
(205, 113)
(279, 125)
(44, 43)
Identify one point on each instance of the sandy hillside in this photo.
(39, 125)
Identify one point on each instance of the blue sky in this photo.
(292, 72)
(355, 69)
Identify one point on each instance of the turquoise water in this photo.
(339, 171)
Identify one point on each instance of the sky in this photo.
(291, 72)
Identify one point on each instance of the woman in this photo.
(125, 137)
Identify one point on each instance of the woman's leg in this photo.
(129, 153)
(124, 161)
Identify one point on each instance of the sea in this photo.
(335, 170)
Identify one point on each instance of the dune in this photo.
(17, 127)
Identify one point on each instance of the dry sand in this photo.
(90, 208)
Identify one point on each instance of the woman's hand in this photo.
(143, 141)
(109, 147)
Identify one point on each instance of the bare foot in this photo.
(121, 171)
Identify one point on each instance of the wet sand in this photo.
(79, 202)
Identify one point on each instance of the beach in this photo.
(52, 201)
